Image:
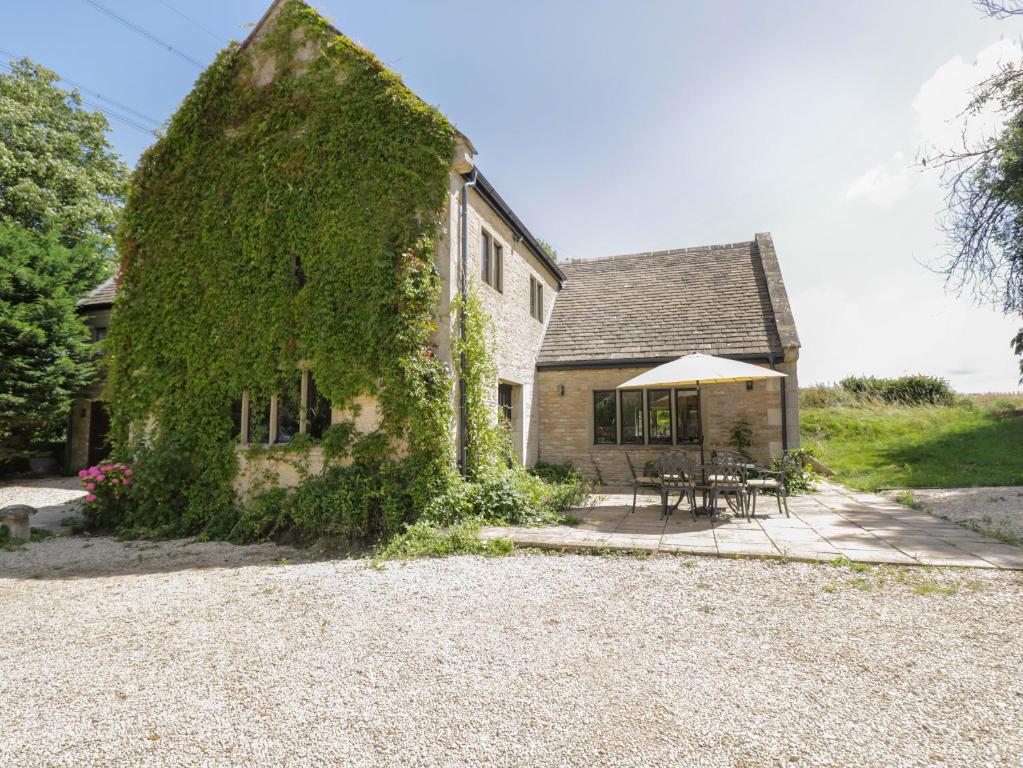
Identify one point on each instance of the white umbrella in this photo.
(699, 369)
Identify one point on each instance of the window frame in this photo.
(642, 416)
(536, 298)
(491, 260)
(272, 431)
(649, 413)
(679, 392)
(597, 394)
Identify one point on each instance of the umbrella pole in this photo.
(699, 406)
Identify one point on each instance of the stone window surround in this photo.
(243, 437)
(491, 263)
(646, 416)
(536, 298)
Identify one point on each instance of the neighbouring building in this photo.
(89, 422)
(565, 337)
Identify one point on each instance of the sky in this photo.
(617, 127)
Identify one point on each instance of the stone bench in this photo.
(16, 520)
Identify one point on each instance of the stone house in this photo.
(567, 335)
(89, 421)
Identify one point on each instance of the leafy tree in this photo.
(56, 165)
(60, 191)
(44, 355)
(984, 182)
(549, 250)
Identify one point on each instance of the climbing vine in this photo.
(285, 218)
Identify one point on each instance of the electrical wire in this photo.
(189, 19)
(105, 110)
(144, 32)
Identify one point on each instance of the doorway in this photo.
(99, 432)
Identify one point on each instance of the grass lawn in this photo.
(978, 442)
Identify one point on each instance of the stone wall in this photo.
(518, 335)
(566, 420)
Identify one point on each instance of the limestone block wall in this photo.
(518, 335)
(566, 420)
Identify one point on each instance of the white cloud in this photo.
(944, 96)
(884, 184)
(941, 123)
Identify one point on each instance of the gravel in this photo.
(225, 657)
(994, 510)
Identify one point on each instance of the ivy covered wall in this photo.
(287, 216)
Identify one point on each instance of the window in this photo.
(317, 410)
(289, 409)
(687, 408)
(632, 416)
(258, 429)
(298, 408)
(659, 412)
(99, 332)
(485, 245)
(605, 430)
(504, 404)
(491, 261)
(536, 298)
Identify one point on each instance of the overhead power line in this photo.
(144, 32)
(96, 94)
(192, 21)
(98, 107)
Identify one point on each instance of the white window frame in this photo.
(243, 433)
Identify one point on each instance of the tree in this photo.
(61, 188)
(56, 166)
(984, 186)
(549, 250)
(44, 355)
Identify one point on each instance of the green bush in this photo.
(555, 473)
(904, 390)
(424, 539)
(799, 474)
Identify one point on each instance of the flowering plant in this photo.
(105, 485)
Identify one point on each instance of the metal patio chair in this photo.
(641, 481)
(728, 479)
(772, 481)
(677, 474)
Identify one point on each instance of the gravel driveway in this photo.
(225, 657)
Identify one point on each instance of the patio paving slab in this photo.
(832, 523)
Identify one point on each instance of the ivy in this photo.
(279, 222)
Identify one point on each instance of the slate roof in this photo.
(100, 296)
(718, 299)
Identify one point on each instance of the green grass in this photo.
(869, 445)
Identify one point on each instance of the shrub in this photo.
(107, 486)
(799, 474)
(904, 390)
(426, 540)
(555, 473)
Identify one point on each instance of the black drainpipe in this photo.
(784, 413)
(463, 289)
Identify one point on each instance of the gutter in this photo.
(463, 290)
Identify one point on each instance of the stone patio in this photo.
(830, 524)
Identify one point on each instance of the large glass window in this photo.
(632, 416)
(687, 407)
(289, 408)
(317, 412)
(605, 430)
(659, 409)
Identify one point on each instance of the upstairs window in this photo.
(99, 332)
(491, 261)
(536, 299)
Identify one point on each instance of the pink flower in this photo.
(90, 498)
(107, 467)
(82, 473)
(127, 473)
(90, 486)
(101, 478)
(127, 481)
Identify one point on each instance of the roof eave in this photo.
(487, 192)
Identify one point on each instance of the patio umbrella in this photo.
(699, 369)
